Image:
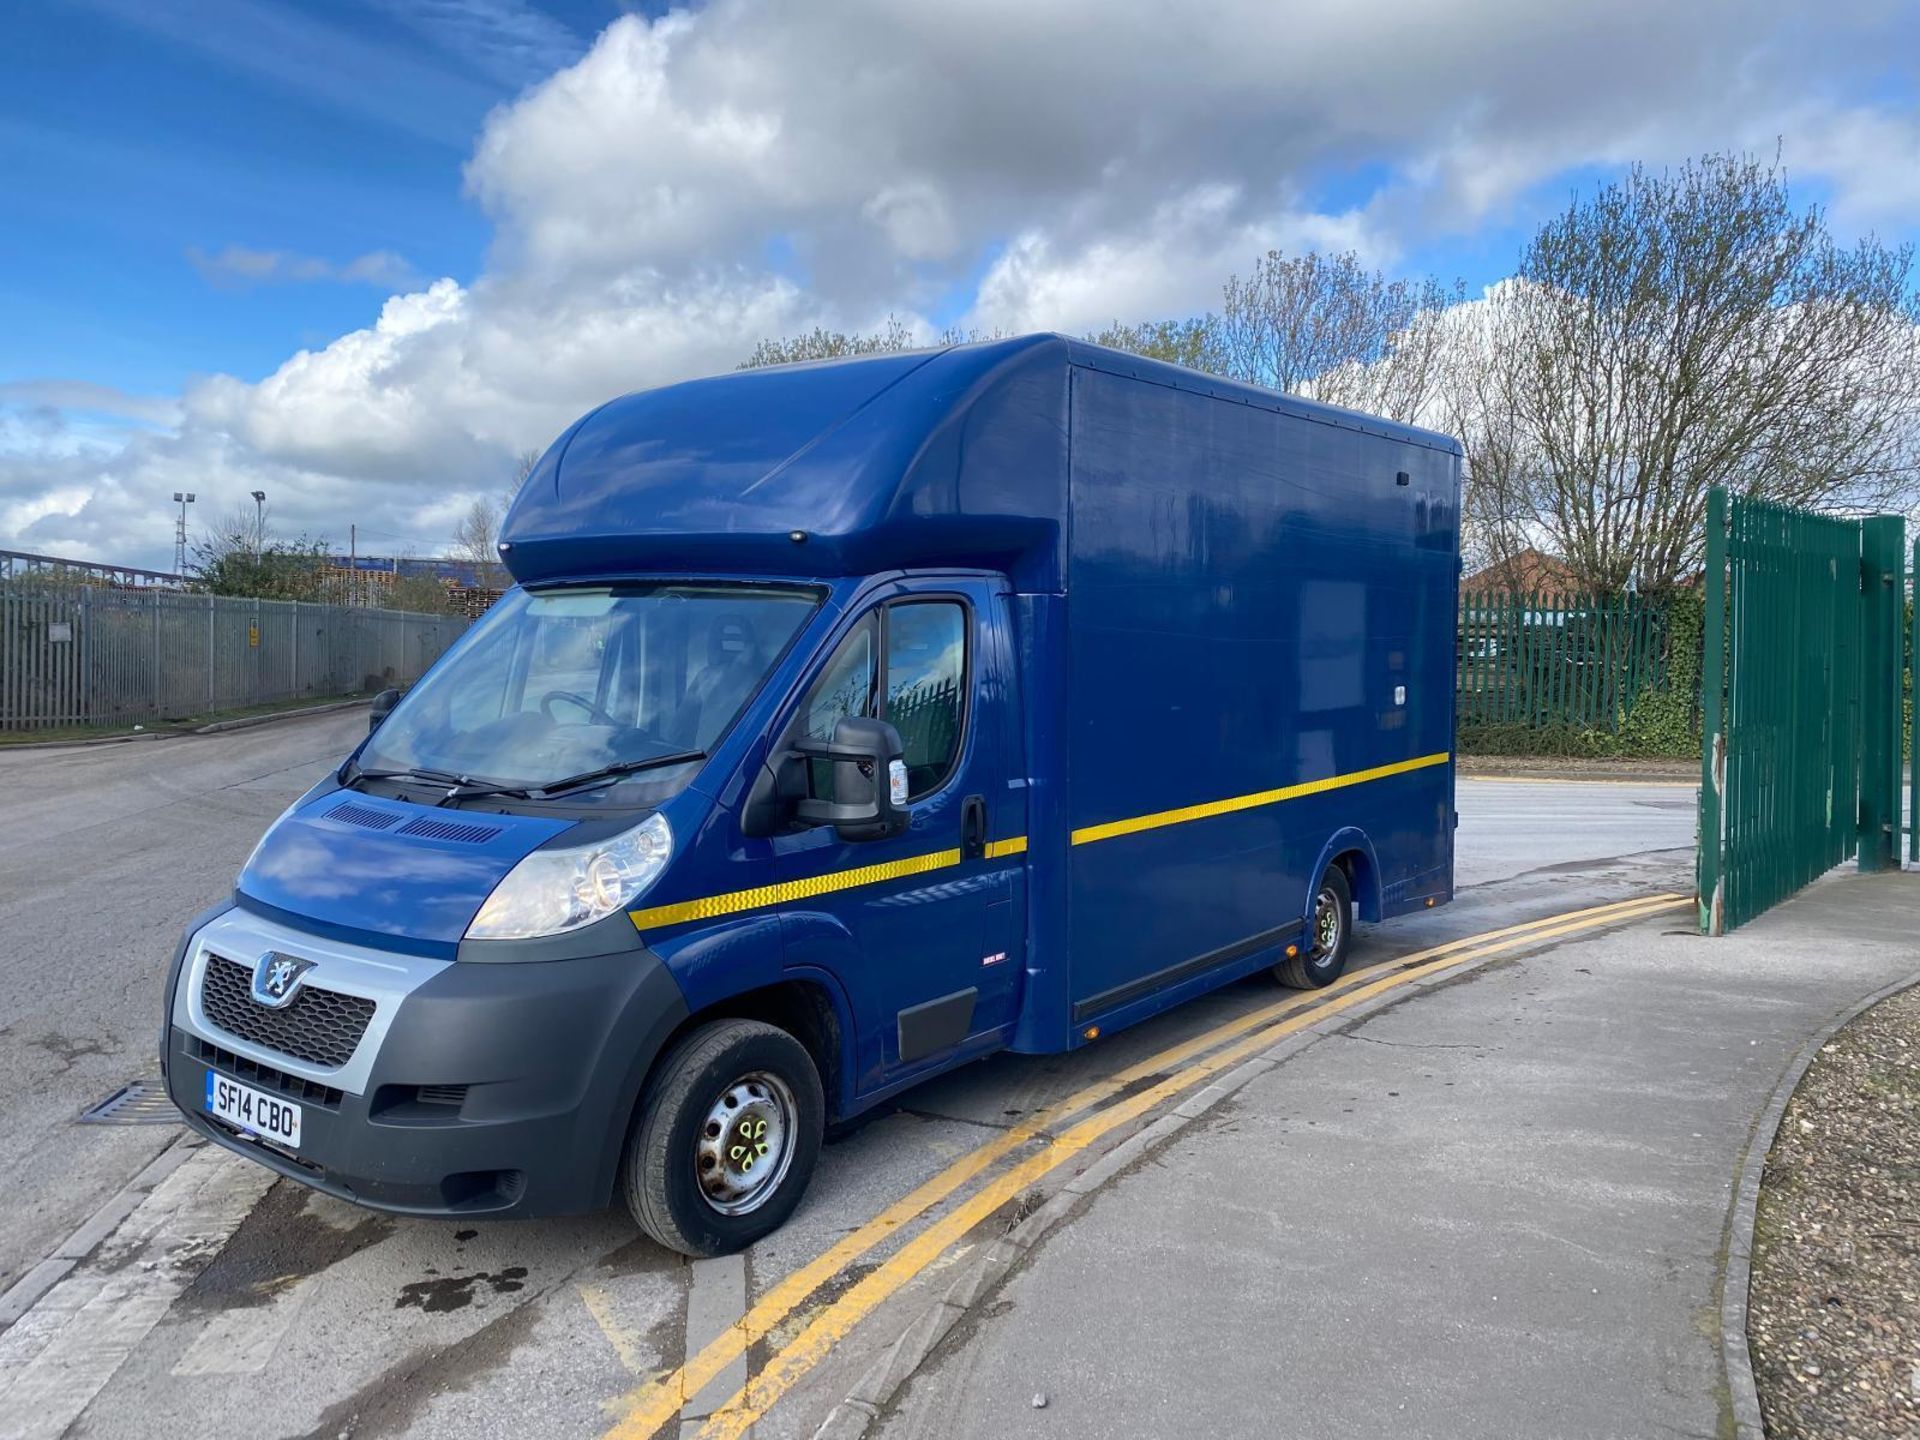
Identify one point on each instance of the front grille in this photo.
(294, 1087)
(319, 1026)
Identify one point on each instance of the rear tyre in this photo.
(1330, 933)
(725, 1140)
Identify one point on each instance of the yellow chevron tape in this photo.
(761, 896)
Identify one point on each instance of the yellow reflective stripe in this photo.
(1107, 831)
(761, 896)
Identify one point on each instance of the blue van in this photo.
(848, 722)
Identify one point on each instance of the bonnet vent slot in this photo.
(454, 832)
(349, 812)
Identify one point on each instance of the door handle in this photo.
(973, 827)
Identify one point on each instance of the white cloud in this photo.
(696, 182)
(1171, 265)
(236, 265)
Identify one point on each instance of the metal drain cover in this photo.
(138, 1102)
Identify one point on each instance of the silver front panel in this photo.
(381, 976)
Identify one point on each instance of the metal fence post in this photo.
(1882, 539)
(1913, 709)
(1713, 748)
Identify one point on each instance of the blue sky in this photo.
(328, 130)
(478, 217)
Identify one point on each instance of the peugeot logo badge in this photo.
(276, 978)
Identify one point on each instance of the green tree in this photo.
(276, 570)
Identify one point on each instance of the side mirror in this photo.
(870, 780)
(381, 707)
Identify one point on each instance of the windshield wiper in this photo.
(458, 787)
(616, 770)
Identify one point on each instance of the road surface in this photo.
(229, 1302)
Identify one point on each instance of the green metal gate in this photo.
(1800, 702)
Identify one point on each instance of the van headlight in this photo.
(553, 891)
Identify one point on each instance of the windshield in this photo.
(562, 684)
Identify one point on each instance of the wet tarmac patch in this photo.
(456, 1292)
(292, 1233)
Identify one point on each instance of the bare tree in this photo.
(1193, 342)
(476, 540)
(522, 467)
(1678, 331)
(822, 344)
(1325, 326)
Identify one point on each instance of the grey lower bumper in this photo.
(493, 1088)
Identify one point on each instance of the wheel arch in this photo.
(1352, 851)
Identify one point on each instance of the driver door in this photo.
(914, 925)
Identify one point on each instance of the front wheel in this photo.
(726, 1138)
(1330, 935)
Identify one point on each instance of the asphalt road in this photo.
(107, 852)
(229, 1303)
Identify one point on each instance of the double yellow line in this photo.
(653, 1406)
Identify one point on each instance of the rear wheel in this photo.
(1329, 934)
(726, 1138)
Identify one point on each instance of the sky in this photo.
(362, 254)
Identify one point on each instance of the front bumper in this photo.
(480, 1088)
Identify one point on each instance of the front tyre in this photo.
(726, 1138)
(1330, 933)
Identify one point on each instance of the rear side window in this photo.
(915, 678)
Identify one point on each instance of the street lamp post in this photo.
(259, 523)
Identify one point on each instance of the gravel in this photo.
(1834, 1311)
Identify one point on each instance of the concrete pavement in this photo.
(1497, 1209)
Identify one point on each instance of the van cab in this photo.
(847, 722)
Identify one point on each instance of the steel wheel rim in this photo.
(745, 1144)
(1328, 922)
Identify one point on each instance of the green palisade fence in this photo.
(1800, 702)
(1555, 661)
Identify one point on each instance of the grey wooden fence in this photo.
(84, 656)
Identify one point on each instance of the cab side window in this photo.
(848, 686)
(926, 687)
(914, 678)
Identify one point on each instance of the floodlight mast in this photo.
(182, 498)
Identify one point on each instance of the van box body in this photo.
(1209, 650)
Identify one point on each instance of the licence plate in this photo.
(256, 1113)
